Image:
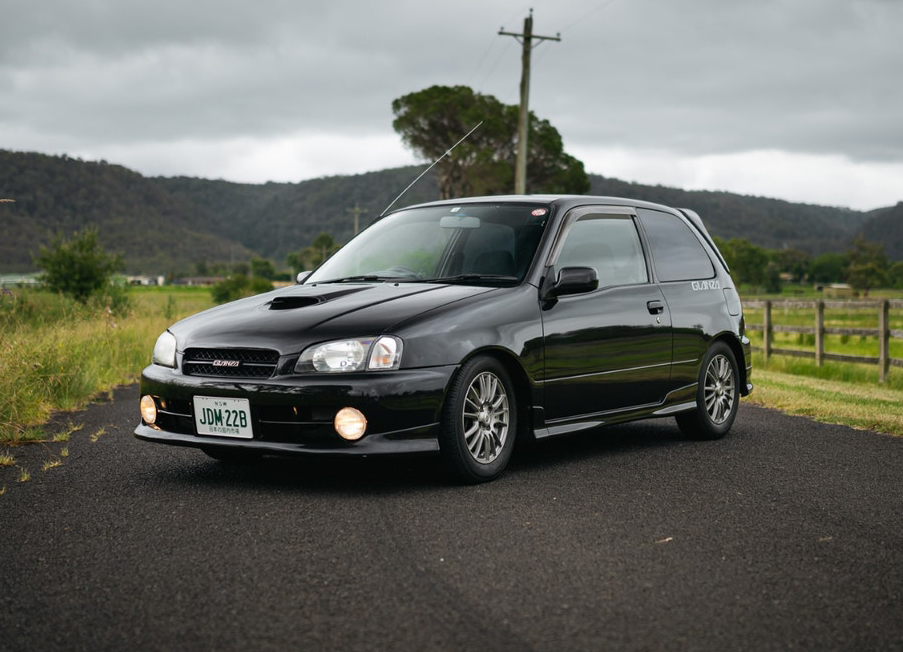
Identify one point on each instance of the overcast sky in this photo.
(796, 99)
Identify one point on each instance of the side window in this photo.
(608, 244)
(676, 251)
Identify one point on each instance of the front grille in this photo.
(230, 363)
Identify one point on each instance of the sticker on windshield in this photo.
(539, 212)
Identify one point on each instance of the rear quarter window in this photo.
(677, 253)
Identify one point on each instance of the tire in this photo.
(479, 421)
(236, 456)
(717, 396)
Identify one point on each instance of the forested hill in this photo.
(169, 225)
(769, 223)
(886, 226)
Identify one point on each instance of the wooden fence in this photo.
(884, 333)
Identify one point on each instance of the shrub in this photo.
(238, 286)
(77, 267)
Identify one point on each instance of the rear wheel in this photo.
(479, 421)
(717, 396)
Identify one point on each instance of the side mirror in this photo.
(302, 276)
(573, 280)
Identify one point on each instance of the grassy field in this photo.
(859, 315)
(56, 354)
(860, 373)
(837, 392)
(863, 405)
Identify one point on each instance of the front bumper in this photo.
(295, 414)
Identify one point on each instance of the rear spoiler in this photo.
(696, 221)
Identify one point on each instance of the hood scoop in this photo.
(292, 301)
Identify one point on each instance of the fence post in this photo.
(766, 331)
(819, 333)
(883, 340)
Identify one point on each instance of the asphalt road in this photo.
(786, 535)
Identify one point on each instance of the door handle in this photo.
(655, 307)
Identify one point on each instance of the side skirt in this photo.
(682, 399)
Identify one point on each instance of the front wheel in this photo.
(717, 396)
(479, 421)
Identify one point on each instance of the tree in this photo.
(748, 263)
(895, 274)
(828, 268)
(432, 120)
(772, 278)
(794, 262)
(77, 267)
(262, 268)
(322, 247)
(868, 265)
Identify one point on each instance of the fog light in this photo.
(350, 424)
(148, 409)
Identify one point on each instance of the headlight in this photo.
(360, 354)
(165, 350)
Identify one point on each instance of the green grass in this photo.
(837, 392)
(853, 316)
(859, 405)
(55, 354)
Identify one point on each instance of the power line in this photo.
(590, 14)
(480, 62)
(495, 65)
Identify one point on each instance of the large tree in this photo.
(432, 120)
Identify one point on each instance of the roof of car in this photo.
(565, 201)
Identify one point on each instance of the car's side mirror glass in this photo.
(574, 280)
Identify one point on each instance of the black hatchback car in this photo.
(456, 327)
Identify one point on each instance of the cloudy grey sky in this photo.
(797, 99)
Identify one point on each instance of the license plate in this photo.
(223, 417)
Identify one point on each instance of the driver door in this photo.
(609, 349)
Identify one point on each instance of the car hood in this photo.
(290, 319)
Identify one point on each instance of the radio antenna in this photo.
(447, 152)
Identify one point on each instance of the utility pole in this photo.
(356, 211)
(523, 118)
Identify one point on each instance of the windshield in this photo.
(491, 243)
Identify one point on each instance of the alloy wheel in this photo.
(720, 390)
(486, 417)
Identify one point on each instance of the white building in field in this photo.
(146, 280)
(19, 280)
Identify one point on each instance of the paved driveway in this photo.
(785, 535)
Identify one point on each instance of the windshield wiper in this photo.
(463, 278)
(359, 277)
(369, 278)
